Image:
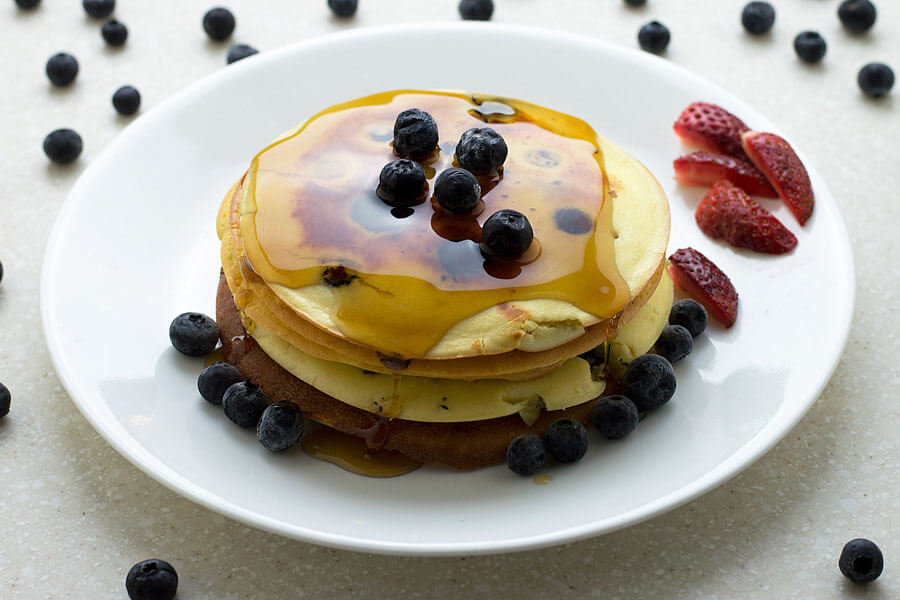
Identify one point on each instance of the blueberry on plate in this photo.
(240, 52)
(476, 10)
(566, 440)
(481, 150)
(875, 79)
(506, 234)
(457, 190)
(402, 183)
(61, 68)
(690, 314)
(674, 343)
(63, 146)
(861, 561)
(280, 426)
(215, 379)
(415, 133)
(758, 17)
(218, 23)
(114, 32)
(857, 16)
(654, 37)
(526, 454)
(194, 334)
(5, 400)
(636, 3)
(27, 4)
(99, 9)
(152, 579)
(614, 416)
(126, 100)
(244, 403)
(343, 8)
(810, 46)
(649, 381)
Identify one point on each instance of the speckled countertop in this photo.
(74, 515)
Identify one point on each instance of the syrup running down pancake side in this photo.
(401, 278)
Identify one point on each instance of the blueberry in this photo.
(861, 561)
(649, 381)
(654, 37)
(857, 15)
(415, 133)
(1, 271)
(215, 379)
(61, 69)
(193, 334)
(99, 9)
(457, 190)
(63, 146)
(5, 399)
(244, 403)
(614, 416)
(674, 343)
(239, 52)
(875, 79)
(690, 314)
(526, 455)
(126, 100)
(343, 8)
(402, 183)
(280, 426)
(758, 17)
(636, 3)
(27, 4)
(481, 150)
(152, 579)
(566, 440)
(114, 32)
(506, 234)
(218, 23)
(476, 10)
(810, 46)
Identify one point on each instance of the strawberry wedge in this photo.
(706, 283)
(711, 128)
(782, 167)
(706, 168)
(728, 213)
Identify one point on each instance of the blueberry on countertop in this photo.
(674, 343)
(526, 454)
(126, 100)
(194, 334)
(654, 37)
(280, 426)
(62, 68)
(215, 379)
(857, 16)
(861, 561)
(152, 579)
(27, 4)
(244, 403)
(343, 8)
(402, 183)
(99, 9)
(636, 3)
(566, 440)
(239, 52)
(476, 10)
(614, 416)
(875, 79)
(457, 190)
(481, 150)
(690, 314)
(506, 234)
(63, 146)
(114, 32)
(758, 17)
(649, 381)
(5, 400)
(810, 46)
(218, 23)
(415, 133)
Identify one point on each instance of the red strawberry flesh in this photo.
(706, 168)
(783, 168)
(711, 128)
(728, 213)
(706, 283)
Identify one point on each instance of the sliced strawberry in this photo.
(711, 128)
(728, 213)
(782, 167)
(706, 168)
(706, 283)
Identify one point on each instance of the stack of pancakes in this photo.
(391, 325)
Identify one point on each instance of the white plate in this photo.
(135, 245)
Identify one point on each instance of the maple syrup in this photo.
(542, 479)
(353, 454)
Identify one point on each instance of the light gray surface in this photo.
(74, 515)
